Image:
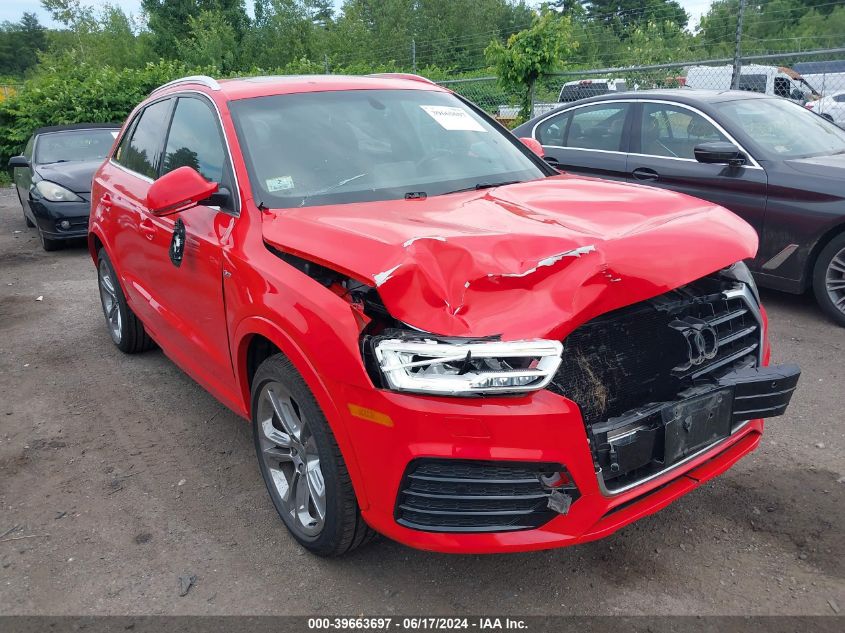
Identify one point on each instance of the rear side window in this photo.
(752, 83)
(195, 140)
(140, 149)
(552, 131)
(582, 91)
(783, 88)
(597, 127)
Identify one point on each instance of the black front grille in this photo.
(451, 495)
(632, 357)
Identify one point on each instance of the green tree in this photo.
(169, 20)
(776, 25)
(623, 14)
(657, 43)
(20, 44)
(283, 30)
(104, 36)
(452, 34)
(530, 54)
(211, 41)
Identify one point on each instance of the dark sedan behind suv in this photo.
(772, 162)
(53, 178)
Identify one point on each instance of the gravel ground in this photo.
(119, 474)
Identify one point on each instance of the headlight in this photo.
(740, 272)
(456, 368)
(55, 193)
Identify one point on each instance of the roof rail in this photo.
(205, 80)
(409, 76)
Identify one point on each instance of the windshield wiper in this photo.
(485, 185)
(331, 188)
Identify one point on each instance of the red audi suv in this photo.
(435, 335)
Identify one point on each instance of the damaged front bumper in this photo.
(654, 439)
(543, 433)
(578, 460)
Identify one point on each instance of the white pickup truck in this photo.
(771, 80)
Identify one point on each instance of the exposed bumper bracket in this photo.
(646, 442)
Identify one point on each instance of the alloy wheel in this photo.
(289, 452)
(835, 280)
(111, 305)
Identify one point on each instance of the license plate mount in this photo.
(696, 423)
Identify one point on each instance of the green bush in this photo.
(64, 91)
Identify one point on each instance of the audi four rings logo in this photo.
(702, 341)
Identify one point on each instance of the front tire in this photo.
(47, 244)
(829, 279)
(301, 463)
(126, 330)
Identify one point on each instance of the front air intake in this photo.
(451, 495)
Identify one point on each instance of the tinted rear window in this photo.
(752, 83)
(574, 93)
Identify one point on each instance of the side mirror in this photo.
(177, 191)
(18, 161)
(220, 198)
(719, 152)
(534, 145)
(797, 95)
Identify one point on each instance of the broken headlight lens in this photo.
(739, 272)
(455, 368)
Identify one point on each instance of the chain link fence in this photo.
(488, 94)
(815, 79)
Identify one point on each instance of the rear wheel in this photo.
(301, 463)
(829, 279)
(125, 328)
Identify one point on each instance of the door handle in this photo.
(645, 174)
(148, 229)
(106, 202)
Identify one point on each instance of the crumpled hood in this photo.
(532, 259)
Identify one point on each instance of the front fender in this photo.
(243, 334)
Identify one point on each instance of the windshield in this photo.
(783, 129)
(339, 147)
(55, 147)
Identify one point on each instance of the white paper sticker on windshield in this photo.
(114, 134)
(279, 184)
(452, 118)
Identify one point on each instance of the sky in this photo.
(12, 10)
